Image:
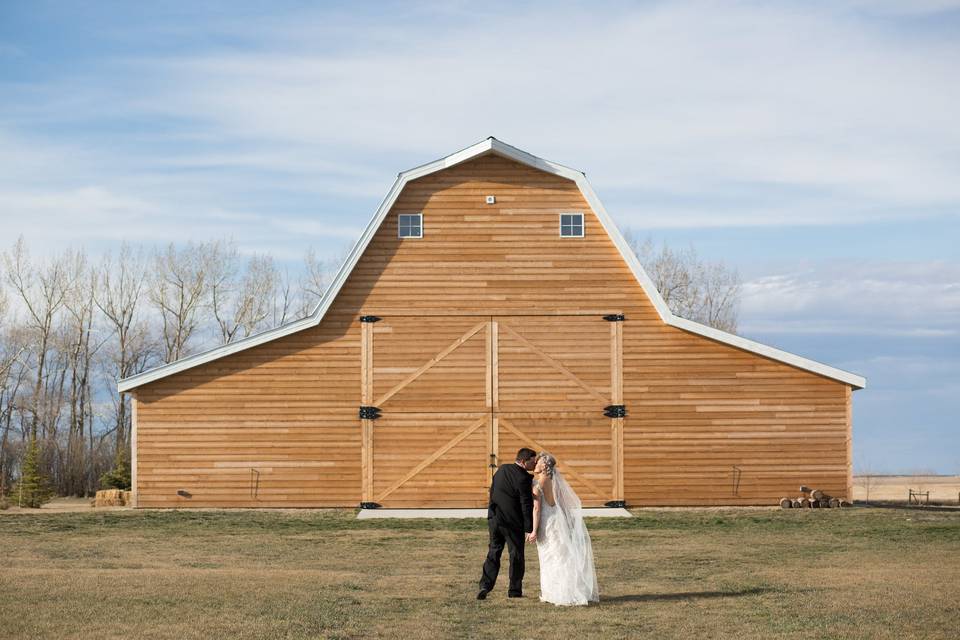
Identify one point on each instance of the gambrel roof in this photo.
(492, 146)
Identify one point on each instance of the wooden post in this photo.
(366, 397)
(616, 393)
(848, 400)
(494, 457)
(493, 397)
(494, 364)
(134, 493)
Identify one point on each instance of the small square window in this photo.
(410, 225)
(571, 225)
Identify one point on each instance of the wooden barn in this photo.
(490, 304)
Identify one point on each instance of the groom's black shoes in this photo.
(482, 595)
(514, 595)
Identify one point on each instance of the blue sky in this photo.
(815, 146)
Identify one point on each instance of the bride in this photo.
(567, 575)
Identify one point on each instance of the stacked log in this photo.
(812, 499)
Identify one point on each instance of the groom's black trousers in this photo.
(514, 540)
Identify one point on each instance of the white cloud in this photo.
(688, 96)
(895, 299)
(692, 114)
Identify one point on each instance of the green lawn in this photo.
(851, 573)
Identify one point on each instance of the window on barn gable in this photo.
(410, 225)
(571, 225)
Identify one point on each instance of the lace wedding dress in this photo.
(567, 575)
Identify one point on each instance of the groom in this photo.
(510, 520)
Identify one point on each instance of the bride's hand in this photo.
(532, 537)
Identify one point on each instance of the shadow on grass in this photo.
(687, 595)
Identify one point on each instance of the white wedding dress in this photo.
(567, 575)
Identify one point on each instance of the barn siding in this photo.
(697, 408)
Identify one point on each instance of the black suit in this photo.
(509, 517)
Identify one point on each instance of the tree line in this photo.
(71, 327)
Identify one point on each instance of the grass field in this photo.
(748, 573)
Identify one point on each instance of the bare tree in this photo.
(282, 306)
(43, 291)
(178, 292)
(241, 299)
(314, 281)
(80, 347)
(705, 292)
(12, 347)
(316, 278)
(118, 296)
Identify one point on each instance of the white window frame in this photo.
(583, 224)
(420, 226)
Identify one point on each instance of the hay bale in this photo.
(786, 503)
(109, 498)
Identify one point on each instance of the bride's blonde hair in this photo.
(549, 461)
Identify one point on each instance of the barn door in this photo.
(426, 432)
(444, 400)
(559, 389)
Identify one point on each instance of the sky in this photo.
(813, 146)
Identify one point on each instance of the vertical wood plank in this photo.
(848, 401)
(134, 492)
(493, 336)
(494, 362)
(616, 388)
(620, 454)
(370, 434)
(619, 355)
(364, 362)
(489, 460)
(495, 444)
(613, 363)
(366, 426)
(489, 367)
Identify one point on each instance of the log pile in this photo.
(812, 499)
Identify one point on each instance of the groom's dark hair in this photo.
(525, 454)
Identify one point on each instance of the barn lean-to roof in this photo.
(494, 146)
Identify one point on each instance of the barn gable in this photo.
(562, 185)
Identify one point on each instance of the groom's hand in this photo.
(532, 536)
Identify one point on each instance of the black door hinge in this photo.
(615, 317)
(369, 413)
(370, 505)
(370, 319)
(615, 411)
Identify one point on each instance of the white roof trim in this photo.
(492, 145)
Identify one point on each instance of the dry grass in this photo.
(943, 489)
(856, 573)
